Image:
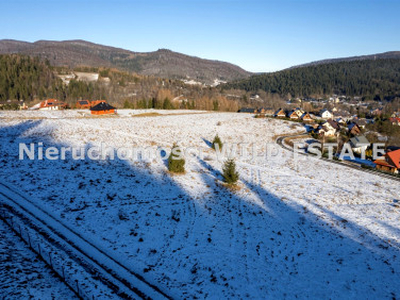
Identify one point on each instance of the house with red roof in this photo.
(390, 162)
(395, 121)
(50, 104)
(81, 104)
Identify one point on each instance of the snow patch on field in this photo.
(295, 228)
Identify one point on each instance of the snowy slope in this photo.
(309, 228)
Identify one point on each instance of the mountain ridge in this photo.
(382, 55)
(161, 63)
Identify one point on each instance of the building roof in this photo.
(51, 102)
(325, 110)
(334, 124)
(280, 111)
(360, 122)
(395, 120)
(306, 115)
(351, 125)
(102, 106)
(361, 139)
(248, 110)
(395, 157)
(83, 102)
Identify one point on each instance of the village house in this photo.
(293, 115)
(248, 110)
(359, 143)
(50, 104)
(103, 108)
(260, 111)
(326, 114)
(13, 104)
(390, 162)
(353, 129)
(265, 111)
(395, 121)
(269, 112)
(360, 122)
(82, 104)
(341, 121)
(296, 114)
(345, 115)
(280, 113)
(376, 112)
(306, 117)
(329, 128)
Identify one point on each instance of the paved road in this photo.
(281, 142)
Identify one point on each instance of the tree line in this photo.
(373, 79)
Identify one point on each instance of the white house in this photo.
(326, 114)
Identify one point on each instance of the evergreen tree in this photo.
(215, 105)
(167, 104)
(217, 141)
(176, 164)
(231, 176)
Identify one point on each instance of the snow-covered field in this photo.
(295, 228)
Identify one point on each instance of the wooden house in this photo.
(103, 108)
(390, 162)
(353, 129)
(293, 115)
(83, 104)
(280, 113)
(306, 117)
(51, 104)
(269, 111)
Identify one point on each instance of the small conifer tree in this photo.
(176, 164)
(231, 176)
(217, 141)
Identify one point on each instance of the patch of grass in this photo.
(150, 114)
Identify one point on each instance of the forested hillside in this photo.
(28, 78)
(373, 79)
(23, 77)
(32, 80)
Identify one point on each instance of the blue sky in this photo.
(256, 35)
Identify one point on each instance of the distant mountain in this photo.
(385, 55)
(373, 77)
(162, 63)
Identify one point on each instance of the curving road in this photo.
(281, 142)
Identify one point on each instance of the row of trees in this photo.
(376, 79)
(204, 103)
